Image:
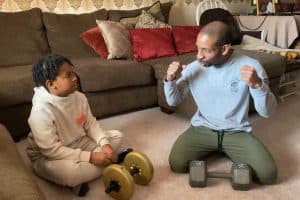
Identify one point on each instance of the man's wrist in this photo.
(258, 85)
(165, 78)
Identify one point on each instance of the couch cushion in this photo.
(160, 65)
(274, 65)
(99, 75)
(17, 85)
(22, 37)
(63, 32)
(117, 15)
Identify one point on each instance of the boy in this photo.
(66, 144)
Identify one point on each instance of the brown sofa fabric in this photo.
(117, 15)
(15, 119)
(17, 182)
(99, 75)
(274, 65)
(22, 37)
(16, 85)
(63, 32)
(122, 100)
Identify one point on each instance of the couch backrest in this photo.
(116, 15)
(22, 37)
(63, 32)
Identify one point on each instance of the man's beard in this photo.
(205, 64)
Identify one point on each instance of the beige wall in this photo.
(73, 6)
(81, 6)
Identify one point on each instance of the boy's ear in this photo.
(49, 84)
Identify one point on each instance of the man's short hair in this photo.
(220, 14)
(47, 68)
(219, 30)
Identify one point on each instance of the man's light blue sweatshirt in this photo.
(222, 98)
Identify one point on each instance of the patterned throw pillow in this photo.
(154, 10)
(117, 39)
(146, 20)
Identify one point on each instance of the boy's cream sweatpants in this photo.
(73, 172)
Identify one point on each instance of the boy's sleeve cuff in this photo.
(103, 142)
(85, 156)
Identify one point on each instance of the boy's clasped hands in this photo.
(104, 158)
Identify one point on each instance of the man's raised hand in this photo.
(174, 70)
(249, 75)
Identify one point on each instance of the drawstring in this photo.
(220, 138)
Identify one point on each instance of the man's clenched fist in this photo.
(249, 75)
(174, 70)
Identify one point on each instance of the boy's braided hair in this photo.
(47, 68)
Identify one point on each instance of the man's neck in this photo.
(225, 58)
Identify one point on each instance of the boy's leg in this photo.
(66, 172)
(194, 144)
(246, 148)
(71, 172)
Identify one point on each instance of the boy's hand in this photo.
(110, 153)
(175, 68)
(100, 159)
(249, 75)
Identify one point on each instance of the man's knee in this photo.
(178, 164)
(267, 175)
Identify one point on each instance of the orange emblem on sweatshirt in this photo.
(80, 120)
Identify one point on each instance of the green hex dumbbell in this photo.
(240, 175)
(133, 167)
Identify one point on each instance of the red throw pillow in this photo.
(150, 43)
(185, 38)
(93, 38)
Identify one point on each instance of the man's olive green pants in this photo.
(198, 142)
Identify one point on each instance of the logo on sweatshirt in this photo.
(80, 120)
(234, 85)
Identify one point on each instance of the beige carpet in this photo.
(153, 133)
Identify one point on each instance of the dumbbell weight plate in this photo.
(119, 174)
(197, 173)
(140, 162)
(241, 176)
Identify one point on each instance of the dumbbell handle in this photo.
(218, 175)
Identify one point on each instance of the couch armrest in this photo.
(16, 180)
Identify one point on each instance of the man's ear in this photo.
(226, 49)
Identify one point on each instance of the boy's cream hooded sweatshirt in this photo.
(57, 122)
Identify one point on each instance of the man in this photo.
(221, 82)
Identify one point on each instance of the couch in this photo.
(17, 181)
(111, 86)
